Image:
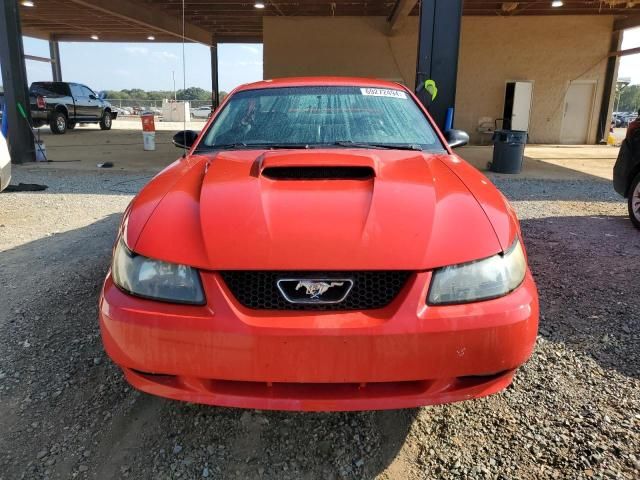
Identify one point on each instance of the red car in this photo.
(319, 247)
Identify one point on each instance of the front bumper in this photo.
(405, 355)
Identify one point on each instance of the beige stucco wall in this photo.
(343, 46)
(551, 51)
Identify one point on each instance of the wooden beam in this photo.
(401, 11)
(148, 17)
(626, 23)
(624, 53)
(35, 33)
(238, 39)
(37, 59)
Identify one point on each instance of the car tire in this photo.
(634, 201)
(71, 125)
(58, 123)
(105, 121)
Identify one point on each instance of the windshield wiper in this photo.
(226, 146)
(387, 146)
(243, 145)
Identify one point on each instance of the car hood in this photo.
(302, 210)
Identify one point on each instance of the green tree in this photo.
(629, 99)
(117, 95)
(136, 93)
(193, 93)
(159, 95)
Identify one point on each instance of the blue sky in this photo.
(630, 66)
(114, 66)
(149, 66)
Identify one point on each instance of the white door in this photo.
(521, 106)
(578, 109)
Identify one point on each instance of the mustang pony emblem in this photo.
(316, 289)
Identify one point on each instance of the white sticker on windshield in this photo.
(383, 92)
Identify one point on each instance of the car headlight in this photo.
(480, 280)
(155, 279)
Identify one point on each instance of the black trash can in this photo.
(508, 151)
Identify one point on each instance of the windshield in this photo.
(304, 117)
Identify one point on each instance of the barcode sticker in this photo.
(383, 92)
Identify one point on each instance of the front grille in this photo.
(258, 290)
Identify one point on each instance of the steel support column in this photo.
(438, 45)
(215, 90)
(54, 53)
(609, 93)
(14, 80)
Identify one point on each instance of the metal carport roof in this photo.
(210, 21)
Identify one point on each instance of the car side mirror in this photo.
(185, 138)
(93, 97)
(456, 138)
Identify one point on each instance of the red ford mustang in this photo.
(319, 247)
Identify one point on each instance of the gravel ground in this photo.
(65, 412)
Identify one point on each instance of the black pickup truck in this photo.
(63, 105)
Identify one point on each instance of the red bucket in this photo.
(148, 124)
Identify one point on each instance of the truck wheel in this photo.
(58, 123)
(71, 125)
(634, 201)
(105, 121)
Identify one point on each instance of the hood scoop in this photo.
(319, 173)
(309, 165)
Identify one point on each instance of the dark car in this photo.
(63, 105)
(626, 175)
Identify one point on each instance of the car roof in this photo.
(321, 81)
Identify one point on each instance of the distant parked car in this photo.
(63, 105)
(119, 111)
(202, 112)
(626, 175)
(5, 164)
(615, 119)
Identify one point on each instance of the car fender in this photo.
(61, 107)
(146, 201)
(496, 207)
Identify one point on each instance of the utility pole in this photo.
(173, 74)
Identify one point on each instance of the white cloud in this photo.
(165, 56)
